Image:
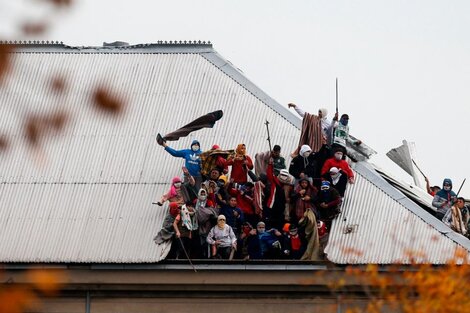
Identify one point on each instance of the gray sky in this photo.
(403, 66)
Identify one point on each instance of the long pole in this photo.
(187, 255)
(461, 186)
(269, 137)
(336, 95)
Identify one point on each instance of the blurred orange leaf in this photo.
(5, 59)
(105, 101)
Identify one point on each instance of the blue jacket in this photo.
(192, 160)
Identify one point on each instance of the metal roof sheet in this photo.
(86, 195)
(379, 224)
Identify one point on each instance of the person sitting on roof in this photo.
(175, 193)
(211, 185)
(338, 162)
(337, 179)
(245, 197)
(222, 239)
(303, 196)
(457, 217)
(444, 199)
(241, 163)
(431, 190)
(233, 214)
(222, 196)
(167, 232)
(206, 215)
(215, 157)
(191, 157)
(274, 197)
(328, 202)
(294, 244)
(341, 134)
(310, 228)
(304, 164)
(262, 160)
(184, 224)
(264, 244)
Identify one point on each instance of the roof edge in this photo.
(227, 67)
(195, 46)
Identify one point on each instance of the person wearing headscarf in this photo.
(222, 239)
(175, 193)
(303, 196)
(444, 199)
(241, 163)
(303, 164)
(325, 124)
(183, 226)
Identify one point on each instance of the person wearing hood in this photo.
(222, 239)
(191, 157)
(304, 163)
(241, 163)
(327, 202)
(444, 199)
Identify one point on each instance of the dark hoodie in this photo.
(443, 199)
(192, 160)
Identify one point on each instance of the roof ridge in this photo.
(114, 45)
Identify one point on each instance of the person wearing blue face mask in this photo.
(191, 157)
(341, 134)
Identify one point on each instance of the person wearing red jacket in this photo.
(241, 164)
(338, 162)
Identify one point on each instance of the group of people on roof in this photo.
(229, 205)
(450, 208)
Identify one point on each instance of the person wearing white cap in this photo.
(222, 239)
(338, 179)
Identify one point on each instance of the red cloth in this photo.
(274, 184)
(295, 242)
(244, 202)
(341, 164)
(239, 172)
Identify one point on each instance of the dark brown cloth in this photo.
(205, 121)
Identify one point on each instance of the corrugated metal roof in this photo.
(86, 195)
(379, 224)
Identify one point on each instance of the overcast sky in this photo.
(403, 66)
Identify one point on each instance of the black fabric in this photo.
(205, 121)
